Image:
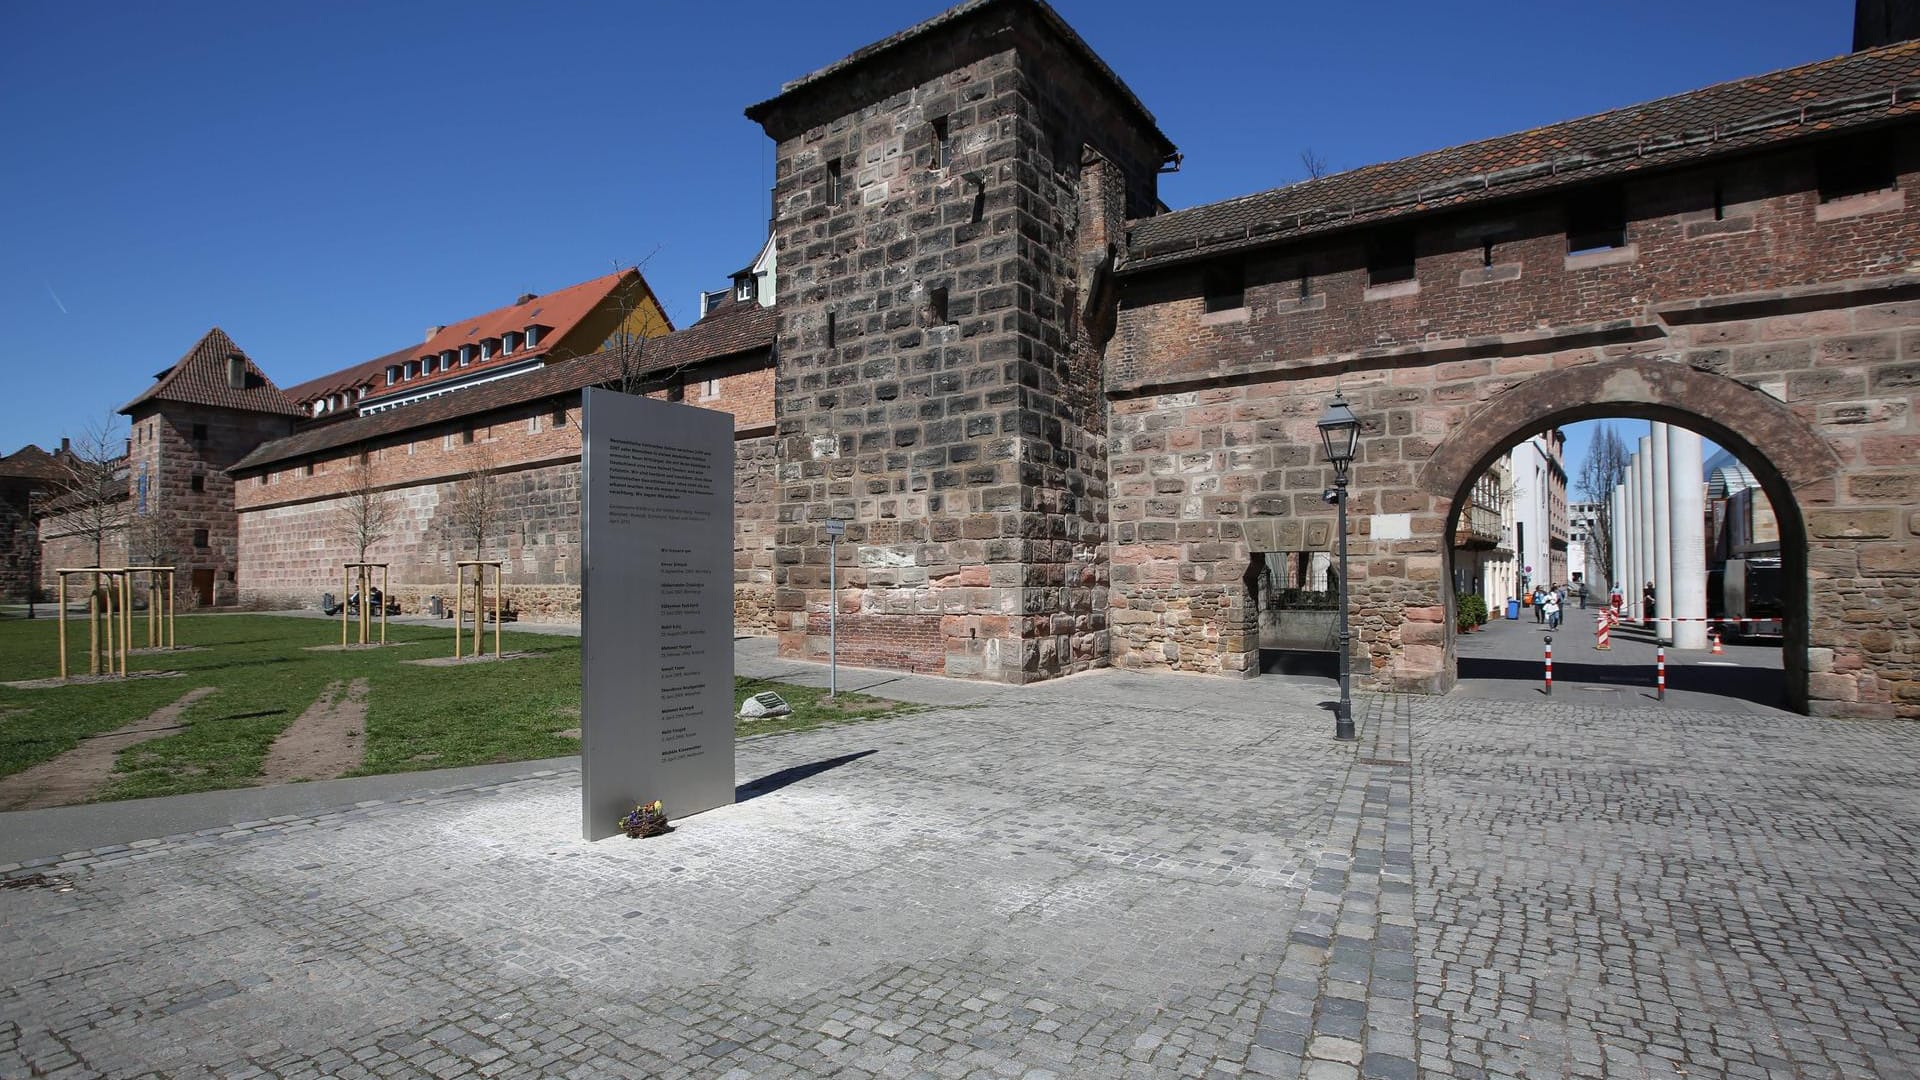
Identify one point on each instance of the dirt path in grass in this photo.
(83, 770)
(328, 740)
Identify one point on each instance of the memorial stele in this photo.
(656, 672)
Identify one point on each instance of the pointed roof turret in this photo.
(216, 373)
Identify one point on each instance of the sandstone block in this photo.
(1889, 559)
(1852, 524)
(1828, 686)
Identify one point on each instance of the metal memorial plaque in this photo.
(656, 608)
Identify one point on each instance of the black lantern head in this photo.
(1340, 432)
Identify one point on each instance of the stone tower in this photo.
(200, 417)
(945, 208)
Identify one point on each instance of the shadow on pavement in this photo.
(774, 781)
(1762, 687)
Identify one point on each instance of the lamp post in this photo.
(1340, 432)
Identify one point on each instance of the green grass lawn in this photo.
(417, 717)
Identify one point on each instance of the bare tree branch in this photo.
(92, 495)
(1315, 164)
(474, 505)
(151, 538)
(1603, 469)
(366, 513)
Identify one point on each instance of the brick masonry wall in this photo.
(295, 519)
(970, 472)
(183, 451)
(1772, 232)
(66, 542)
(19, 542)
(1783, 329)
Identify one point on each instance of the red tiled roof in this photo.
(31, 463)
(347, 380)
(742, 329)
(1841, 93)
(558, 311)
(200, 378)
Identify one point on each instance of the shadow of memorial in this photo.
(793, 774)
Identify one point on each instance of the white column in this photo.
(1643, 472)
(1688, 506)
(1630, 584)
(1616, 535)
(1662, 532)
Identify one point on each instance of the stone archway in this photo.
(1793, 463)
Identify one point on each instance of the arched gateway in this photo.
(1064, 428)
(1788, 457)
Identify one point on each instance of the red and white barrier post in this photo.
(1549, 665)
(1660, 672)
(1603, 630)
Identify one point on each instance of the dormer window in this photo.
(412, 369)
(466, 355)
(533, 336)
(488, 347)
(446, 360)
(393, 374)
(743, 287)
(237, 372)
(319, 407)
(509, 341)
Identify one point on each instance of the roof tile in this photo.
(1844, 92)
(200, 378)
(728, 332)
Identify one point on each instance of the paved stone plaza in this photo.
(1110, 875)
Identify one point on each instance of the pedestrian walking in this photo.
(1539, 604)
(1553, 609)
(1646, 605)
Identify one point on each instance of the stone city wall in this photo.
(1742, 305)
(296, 519)
(937, 390)
(187, 517)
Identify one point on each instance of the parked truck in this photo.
(1744, 589)
(1743, 598)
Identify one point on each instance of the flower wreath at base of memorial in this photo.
(646, 819)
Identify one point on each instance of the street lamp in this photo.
(1340, 432)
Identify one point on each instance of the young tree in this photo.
(151, 538)
(91, 491)
(628, 345)
(366, 512)
(474, 504)
(1604, 468)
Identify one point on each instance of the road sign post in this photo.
(835, 528)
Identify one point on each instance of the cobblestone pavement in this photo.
(1112, 875)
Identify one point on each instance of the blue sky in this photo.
(325, 181)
